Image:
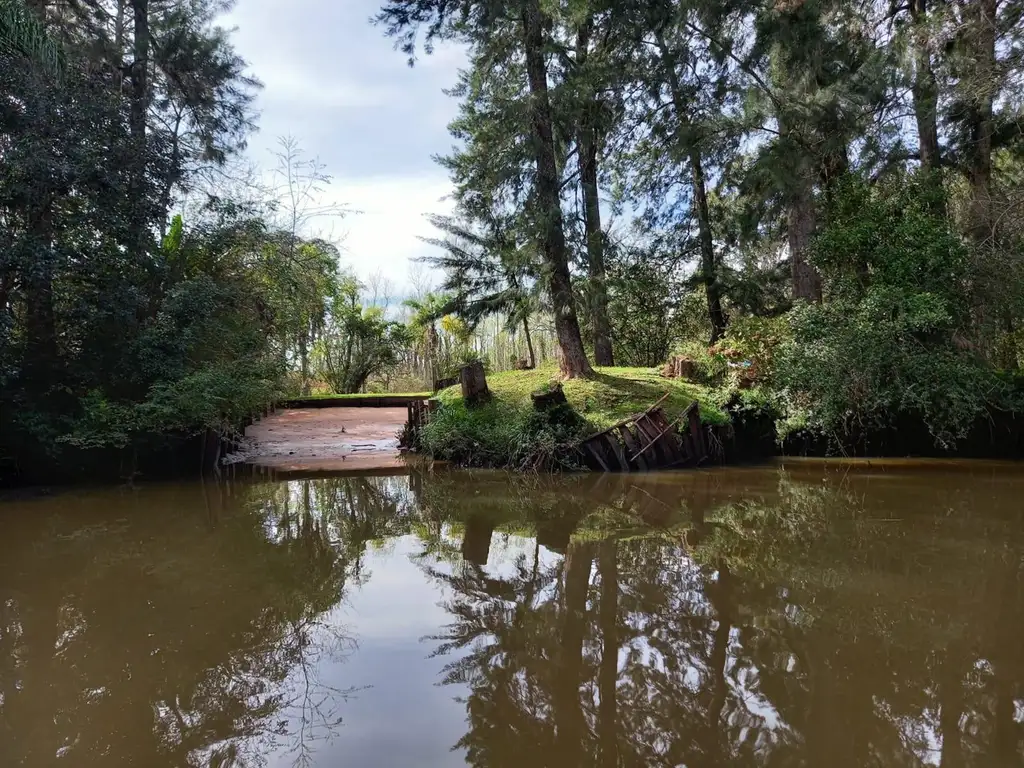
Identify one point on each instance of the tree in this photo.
(486, 272)
(680, 111)
(109, 335)
(592, 80)
(24, 33)
(471, 21)
(423, 326)
(357, 342)
(301, 184)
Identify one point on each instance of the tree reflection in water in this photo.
(839, 624)
(191, 630)
(740, 618)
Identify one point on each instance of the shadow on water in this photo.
(804, 615)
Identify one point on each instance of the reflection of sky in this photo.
(400, 715)
(398, 712)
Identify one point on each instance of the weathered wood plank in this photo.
(592, 449)
(616, 448)
(649, 435)
(668, 437)
(633, 446)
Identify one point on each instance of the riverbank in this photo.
(507, 431)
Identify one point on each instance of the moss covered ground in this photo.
(506, 432)
(611, 395)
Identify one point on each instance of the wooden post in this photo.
(474, 384)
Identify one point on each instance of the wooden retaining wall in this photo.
(649, 441)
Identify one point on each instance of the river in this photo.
(797, 614)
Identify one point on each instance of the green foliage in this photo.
(109, 336)
(507, 432)
(886, 342)
(500, 434)
(357, 342)
(756, 339)
(648, 309)
(710, 364)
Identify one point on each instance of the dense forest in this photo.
(827, 193)
(152, 284)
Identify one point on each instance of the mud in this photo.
(326, 439)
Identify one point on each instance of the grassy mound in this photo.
(507, 432)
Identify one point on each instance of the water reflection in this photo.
(768, 617)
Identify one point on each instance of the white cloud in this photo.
(383, 232)
(384, 235)
(335, 83)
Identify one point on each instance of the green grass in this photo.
(506, 432)
(611, 395)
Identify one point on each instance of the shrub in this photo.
(502, 434)
(757, 339)
(885, 342)
(710, 363)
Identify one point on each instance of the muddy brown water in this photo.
(805, 614)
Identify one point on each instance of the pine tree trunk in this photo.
(924, 89)
(983, 34)
(137, 126)
(574, 357)
(529, 342)
(587, 153)
(801, 215)
(603, 354)
(800, 221)
(119, 43)
(709, 265)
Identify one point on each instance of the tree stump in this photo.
(474, 384)
(685, 368)
(547, 399)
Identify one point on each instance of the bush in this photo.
(885, 343)
(757, 339)
(501, 434)
(710, 362)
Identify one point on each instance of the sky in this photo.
(335, 83)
